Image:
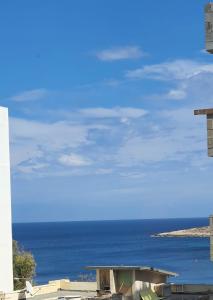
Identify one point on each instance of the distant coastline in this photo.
(203, 232)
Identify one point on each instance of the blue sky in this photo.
(101, 97)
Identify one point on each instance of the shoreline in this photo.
(198, 232)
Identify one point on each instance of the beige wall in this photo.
(123, 281)
(104, 277)
(112, 282)
(192, 288)
(152, 277)
(130, 282)
(78, 286)
(51, 287)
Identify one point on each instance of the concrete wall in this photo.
(112, 282)
(78, 286)
(191, 292)
(130, 282)
(6, 271)
(51, 287)
(123, 281)
(104, 278)
(38, 290)
(192, 288)
(152, 277)
(209, 27)
(210, 134)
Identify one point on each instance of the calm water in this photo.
(62, 250)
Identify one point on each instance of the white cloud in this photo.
(74, 160)
(184, 79)
(133, 175)
(179, 138)
(30, 95)
(93, 143)
(173, 70)
(39, 143)
(37, 146)
(104, 171)
(31, 168)
(115, 112)
(120, 53)
(176, 94)
(56, 135)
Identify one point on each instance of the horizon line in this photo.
(108, 220)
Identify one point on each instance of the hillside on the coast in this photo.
(191, 232)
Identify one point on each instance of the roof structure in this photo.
(137, 268)
(205, 111)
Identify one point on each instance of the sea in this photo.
(64, 249)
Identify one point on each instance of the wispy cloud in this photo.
(38, 143)
(176, 94)
(166, 136)
(74, 160)
(120, 53)
(115, 112)
(190, 80)
(124, 140)
(37, 146)
(46, 144)
(30, 95)
(173, 70)
(178, 139)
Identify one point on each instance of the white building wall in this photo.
(6, 270)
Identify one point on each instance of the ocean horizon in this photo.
(106, 220)
(64, 249)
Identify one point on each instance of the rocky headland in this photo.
(192, 232)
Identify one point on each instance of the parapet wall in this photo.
(51, 287)
(189, 291)
(78, 286)
(192, 288)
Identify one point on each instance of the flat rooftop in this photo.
(69, 295)
(137, 268)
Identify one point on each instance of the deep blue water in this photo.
(62, 250)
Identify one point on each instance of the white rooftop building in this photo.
(6, 263)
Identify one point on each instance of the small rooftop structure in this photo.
(133, 268)
(128, 280)
(209, 27)
(209, 116)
